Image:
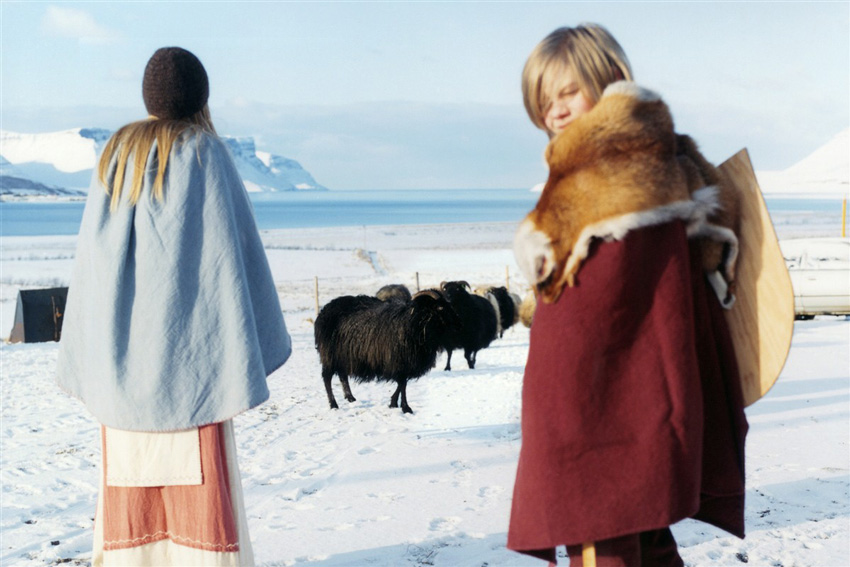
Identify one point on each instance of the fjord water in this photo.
(370, 208)
(309, 209)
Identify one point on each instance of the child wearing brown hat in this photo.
(172, 326)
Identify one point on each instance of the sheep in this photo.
(368, 339)
(485, 293)
(507, 304)
(527, 309)
(478, 318)
(394, 292)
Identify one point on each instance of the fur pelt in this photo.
(620, 167)
(527, 308)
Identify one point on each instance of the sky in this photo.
(385, 95)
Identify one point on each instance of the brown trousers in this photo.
(656, 548)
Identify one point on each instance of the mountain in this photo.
(824, 171)
(262, 171)
(61, 163)
(13, 181)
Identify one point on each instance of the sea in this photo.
(316, 209)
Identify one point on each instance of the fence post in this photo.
(316, 288)
(417, 282)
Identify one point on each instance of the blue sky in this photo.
(426, 94)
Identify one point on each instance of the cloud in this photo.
(75, 24)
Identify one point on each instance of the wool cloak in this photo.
(173, 319)
(632, 413)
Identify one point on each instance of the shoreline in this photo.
(345, 260)
(337, 260)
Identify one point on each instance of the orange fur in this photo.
(701, 173)
(527, 308)
(622, 157)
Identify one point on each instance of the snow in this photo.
(824, 171)
(368, 485)
(252, 187)
(264, 157)
(67, 151)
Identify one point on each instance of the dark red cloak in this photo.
(632, 414)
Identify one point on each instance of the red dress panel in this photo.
(628, 373)
(198, 516)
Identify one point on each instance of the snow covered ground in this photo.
(368, 485)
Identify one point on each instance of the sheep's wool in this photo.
(173, 320)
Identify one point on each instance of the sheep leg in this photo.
(402, 385)
(401, 390)
(448, 359)
(346, 388)
(470, 357)
(327, 375)
(396, 394)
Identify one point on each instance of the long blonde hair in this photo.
(136, 139)
(588, 50)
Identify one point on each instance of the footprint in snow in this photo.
(488, 492)
(385, 496)
(445, 524)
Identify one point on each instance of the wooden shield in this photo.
(762, 319)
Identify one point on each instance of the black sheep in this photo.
(508, 307)
(478, 319)
(394, 292)
(368, 339)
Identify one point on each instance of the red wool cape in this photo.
(632, 412)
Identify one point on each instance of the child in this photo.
(172, 325)
(632, 412)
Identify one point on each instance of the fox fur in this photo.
(620, 167)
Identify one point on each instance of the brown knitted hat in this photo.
(175, 84)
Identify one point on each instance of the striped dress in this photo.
(171, 499)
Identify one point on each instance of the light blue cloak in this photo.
(172, 319)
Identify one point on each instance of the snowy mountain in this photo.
(13, 180)
(61, 163)
(11, 183)
(262, 171)
(824, 171)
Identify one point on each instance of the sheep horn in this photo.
(430, 293)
